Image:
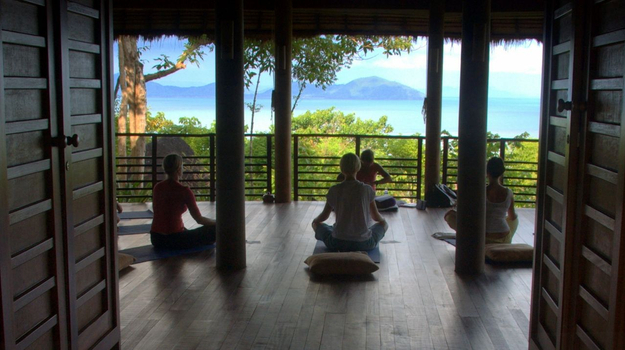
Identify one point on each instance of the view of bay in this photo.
(507, 117)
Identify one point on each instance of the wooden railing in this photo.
(314, 169)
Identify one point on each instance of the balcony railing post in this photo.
(358, 145)
(295, 167)
(419, 166)
(212, 167)
(154, 160)
(502, 155)
(445, 158)
(268, 162)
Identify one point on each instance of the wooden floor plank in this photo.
(414, 301)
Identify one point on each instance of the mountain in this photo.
(370, 88)
(168, 91)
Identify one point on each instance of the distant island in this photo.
(369, 88)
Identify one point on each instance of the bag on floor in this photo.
(440, 196)
(386, 202)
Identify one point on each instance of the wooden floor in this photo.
(414, 301)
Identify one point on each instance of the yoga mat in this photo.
(444, 235)
(127, 215)
(451, 241)
(148, 252)
(133, 229)
(374, 253)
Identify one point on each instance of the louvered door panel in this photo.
(597, 249)
(559, 140)
(93, 298)
(588, 313)
(31, 238)
(57, 266)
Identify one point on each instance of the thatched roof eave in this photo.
(510, 22)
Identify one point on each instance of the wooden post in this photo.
(472, 136)
(434, 95)
(230, 145)
(282, 101)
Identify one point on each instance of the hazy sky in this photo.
(515, 69)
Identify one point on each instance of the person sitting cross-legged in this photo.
(353, 204)
(170, 200)
(501, 218)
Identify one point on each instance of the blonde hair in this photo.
(171, 163)
(350, 163)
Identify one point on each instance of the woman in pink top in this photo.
(171, 199)
(369, 171)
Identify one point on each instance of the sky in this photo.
(514, 70)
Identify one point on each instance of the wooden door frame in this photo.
(571, 244)
(6, 306)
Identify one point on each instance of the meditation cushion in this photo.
(124, 260)
(508, 253)
(342, 263)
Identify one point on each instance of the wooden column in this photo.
(282, 98)
(434, 95)
(230, 137)
(472, 136)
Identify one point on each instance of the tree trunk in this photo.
(299, 94)
(140, 105)
(134, 101)
(122, 121)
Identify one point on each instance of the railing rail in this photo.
(314, 169)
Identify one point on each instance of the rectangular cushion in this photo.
(341, 263)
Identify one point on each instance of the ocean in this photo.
(507, 117)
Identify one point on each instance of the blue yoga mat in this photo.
(127, 215)
(148, 252)
(374, 253)
(133, 229)
(451, 241)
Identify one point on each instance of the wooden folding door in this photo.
(577, 278)
(57, 257)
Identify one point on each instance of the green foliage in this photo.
(331, 136)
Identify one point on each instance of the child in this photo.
(170, 200)
(353, 204)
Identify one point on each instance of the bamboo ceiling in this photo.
(511, 20)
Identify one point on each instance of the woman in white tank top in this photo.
(500, 214)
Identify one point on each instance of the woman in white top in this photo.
(353, 204)
(501, 219)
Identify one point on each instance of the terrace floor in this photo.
(414, 301)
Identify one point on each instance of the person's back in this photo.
(501, 219)
(353, 204)
(350, 200)
(497, 206)
(170, 200)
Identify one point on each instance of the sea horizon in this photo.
(507, 117)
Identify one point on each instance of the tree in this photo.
(318, 60)
(133, 104)
(257, 59)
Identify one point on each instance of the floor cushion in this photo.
(124, 260)
(508, 253)
(341, 263)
